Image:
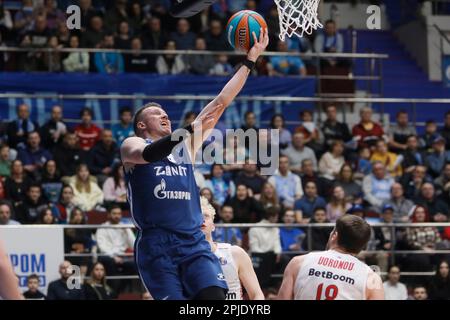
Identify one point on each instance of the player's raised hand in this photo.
(259, 46)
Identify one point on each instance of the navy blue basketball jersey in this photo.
(164, 195)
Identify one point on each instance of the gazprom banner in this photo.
(37, 250)
(138, 85)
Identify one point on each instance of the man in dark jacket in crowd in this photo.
(54, 129)
(18, 129)
(319, 235)
(34, 156)
(59, 289)
(103, 155)
(68, 155)
(28, 211)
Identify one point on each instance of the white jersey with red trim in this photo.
(331, 275)
(230, 271)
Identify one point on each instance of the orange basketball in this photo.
(240, 28)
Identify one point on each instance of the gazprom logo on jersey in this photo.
(160, 192)
(25, 264)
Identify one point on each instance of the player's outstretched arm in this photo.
(286, 291)
(235, 85)
(374, 288)
(135, 150)
(229, 92)
(247, 274)
(9, 288)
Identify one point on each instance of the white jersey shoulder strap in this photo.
(230, 270)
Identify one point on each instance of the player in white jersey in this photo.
(335, 274)
(236, 264)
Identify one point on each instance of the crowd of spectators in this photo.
(147, 25)
(55, 173)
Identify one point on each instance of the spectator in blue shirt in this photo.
(124, 129)
(305, 206)
(291, 237)
(221, 188)
(299, 44)
(285, 65)
(33, 156)
(108, 62)
(228, 235)
(438, 158)
(363, 163)
(302, 45)
(330, 41)
(222, 67)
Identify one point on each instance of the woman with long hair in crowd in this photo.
(65, 204)
(277, 122)
(51, 181)
(207, 193)
(46, 216)
(114, 188)
(87, 193)
(352, 190)
(78, 240)
(439, 286)
(268, 197)
(421, 238)
(96, 288)
(331, 162)
(338, 204)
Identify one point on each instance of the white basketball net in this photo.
(297, 17)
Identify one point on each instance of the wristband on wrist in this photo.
(249, 64)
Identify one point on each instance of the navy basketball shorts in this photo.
(175, 266)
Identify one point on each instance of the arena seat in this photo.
(96, 217)
(129, 296)
(337, 85)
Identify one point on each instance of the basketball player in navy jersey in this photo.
(173, 257)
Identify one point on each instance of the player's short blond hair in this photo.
(207, 207)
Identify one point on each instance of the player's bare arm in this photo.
(286, 291)
(247, 274)
(135, 150)
(9, 288)
(374, 288)
(228, 93)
